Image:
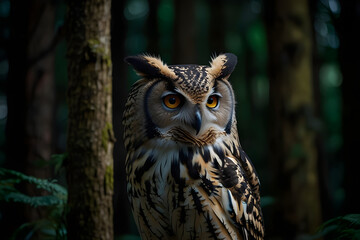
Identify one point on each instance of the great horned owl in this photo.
(187, 174)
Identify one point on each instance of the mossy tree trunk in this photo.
(90, 136)
(293, 152)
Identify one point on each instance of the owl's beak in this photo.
(196, 124)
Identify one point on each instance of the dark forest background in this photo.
(296, 84)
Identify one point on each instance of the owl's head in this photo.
(189, 104)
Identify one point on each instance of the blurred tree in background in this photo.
(293, 152)
(296, 86)
(30, 98)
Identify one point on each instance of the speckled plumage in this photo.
(185, 180)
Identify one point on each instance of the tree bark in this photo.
(90, 135)
(293, 150)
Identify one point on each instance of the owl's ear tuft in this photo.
(223, 65)
(150, 67)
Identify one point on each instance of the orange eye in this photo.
(172, 101)
(212, 101)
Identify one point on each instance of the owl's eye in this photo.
(213, 101)
(172, 101)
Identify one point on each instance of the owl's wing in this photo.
(251, 174)
(242, 198)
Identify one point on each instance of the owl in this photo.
(187, 174)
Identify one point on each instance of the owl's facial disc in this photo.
(196, 118)
(187, 114)
(170, 110)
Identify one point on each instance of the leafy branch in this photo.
(343, 227)
(51, 227)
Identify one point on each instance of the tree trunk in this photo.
(293, 150)
(349, 63)
(30, 98)
(184, 32)
(217, 30)
(90, 135)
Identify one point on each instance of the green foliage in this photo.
(8, 179)
(344, 227)
(51, 227)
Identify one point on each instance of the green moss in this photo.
(98, 49)
(107, 59)
(108, 88)
(105, 136)
(109, 177)
(95, 46)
